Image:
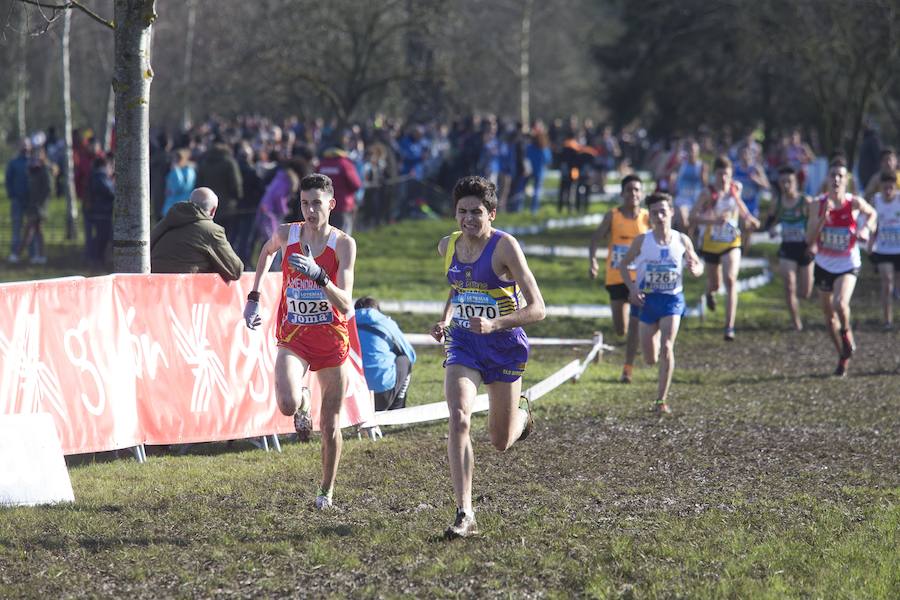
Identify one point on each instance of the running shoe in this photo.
(302, 420)
(841, 370)
(625, 377)
(661, 408)
(847, 347)
(887, 327)
(463, 526)
(729, 334)
(323, 500)
(12, 258)
(711, 301)
(529, 422)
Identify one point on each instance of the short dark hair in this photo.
(317, 181)
(366, 302)
(658, 197)
(722, 162)
(786, 170)
(481, 188)
(889, 150)
(838, 160)
(886, 177)
(629, 178)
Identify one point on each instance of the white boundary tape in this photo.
(583, 311)
(423, 339)
(437, 411)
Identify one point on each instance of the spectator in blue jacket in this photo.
(17, 190)
(387, 356)
(539, 157)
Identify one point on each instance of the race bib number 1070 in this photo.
(467, 305)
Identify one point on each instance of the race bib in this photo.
(660, 278)
(724, 233)
(836, 239)
(307, 307)
(473, 304)
(889, 237)
(618, 253)
(793, 232)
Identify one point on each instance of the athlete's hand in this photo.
(306, 264)
(251, 314)
(863, 235)
(482, 325)
(437, 330)
(636, 298)
(752, 222)
(595, 268)
(694, 265)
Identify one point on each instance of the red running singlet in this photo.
(308, 325)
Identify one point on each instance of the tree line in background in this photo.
(672, 67)
(343, 58)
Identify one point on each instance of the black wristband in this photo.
(323, 279)
(253, 296)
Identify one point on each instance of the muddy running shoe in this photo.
(323, 500)
(711, 301)
(841, 370)
(529, 421)
(729, 334)
(625, 377)
(463, 526)
(302, 420)
(847, 347)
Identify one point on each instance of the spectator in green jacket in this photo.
(187, 240)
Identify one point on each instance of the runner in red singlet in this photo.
(312, 318)
(833, 230)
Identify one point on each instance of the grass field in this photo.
(771, 480)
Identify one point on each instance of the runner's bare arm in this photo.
(268, 250)
(699, 214)
(513, 262)
(694, 264)
(814, 226)
(634, 294)
(340, 291)
(746, 215)
(599, 234)
(437, 330)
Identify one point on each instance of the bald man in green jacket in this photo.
(188, 241)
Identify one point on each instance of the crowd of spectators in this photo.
(386, 170)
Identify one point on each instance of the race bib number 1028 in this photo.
(308, 307)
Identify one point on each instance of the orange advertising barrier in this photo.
(157, 359)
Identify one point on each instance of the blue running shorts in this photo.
(498, 356)
(657, 306)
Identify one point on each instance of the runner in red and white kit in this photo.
(835, 225)
(312, 318)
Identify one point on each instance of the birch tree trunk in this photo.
(188, 62)
(525, 65)
(133, 74)
(71, 211)
(22, 80)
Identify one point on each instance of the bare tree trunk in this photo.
(110, 121)
(71, 209)
(188, 61)
(524, 65)
(22, 80)
(133, 74)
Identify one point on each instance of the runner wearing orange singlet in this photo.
(311, 329)
(622, 225)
